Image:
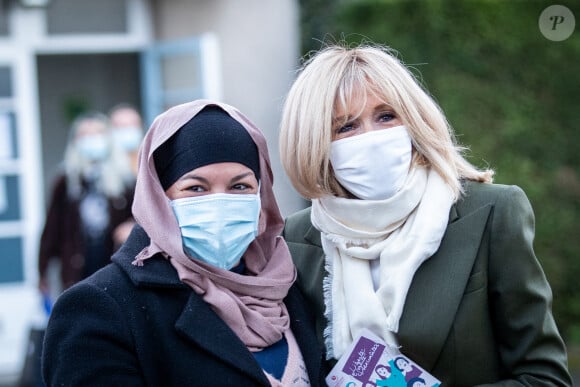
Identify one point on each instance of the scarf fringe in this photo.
(327, 294)
(146, 253)
(141, 257)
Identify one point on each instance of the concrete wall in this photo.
(259, 48)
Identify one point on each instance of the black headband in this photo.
(212, 136)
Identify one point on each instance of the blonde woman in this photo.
(404, 236)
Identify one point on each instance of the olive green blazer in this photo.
(479, 310)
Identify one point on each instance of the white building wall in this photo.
(259, 49)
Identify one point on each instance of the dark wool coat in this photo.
(62, 237)
(478, 311)
(141, 326)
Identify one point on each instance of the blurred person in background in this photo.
(91, 196)
(405, 237)
(202, 292)
(127, 131)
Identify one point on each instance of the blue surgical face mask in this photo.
(94, 147)
(128, 138)
(218, 228)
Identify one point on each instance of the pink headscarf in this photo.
(251, 305)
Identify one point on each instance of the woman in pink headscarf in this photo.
(202, 293)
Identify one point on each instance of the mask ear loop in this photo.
(261, 226)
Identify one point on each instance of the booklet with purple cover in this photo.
(370, 362)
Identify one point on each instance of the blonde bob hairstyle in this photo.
(329, 81)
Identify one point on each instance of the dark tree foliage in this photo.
(316, 21)
(511, 95)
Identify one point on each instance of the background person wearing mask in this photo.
(404, 236)
(202, 293)
(90, 197)
(127, 131)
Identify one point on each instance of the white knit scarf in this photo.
(402, 231)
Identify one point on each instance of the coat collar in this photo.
(155, 272)
(313, 235)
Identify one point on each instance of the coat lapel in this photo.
(200, 324)
(313, 236)
(438, 287)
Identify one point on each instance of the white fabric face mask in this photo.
(373, 165)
